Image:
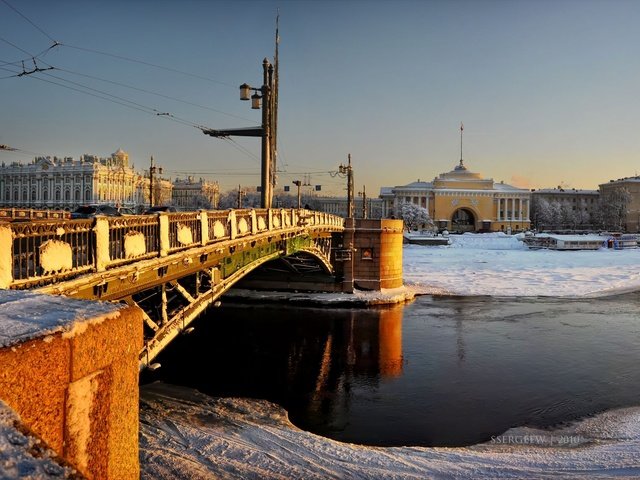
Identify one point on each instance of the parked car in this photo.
(126, 211)
(160, 208)
(90, 211)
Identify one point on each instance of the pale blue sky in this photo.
(547, 90)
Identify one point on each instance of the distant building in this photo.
(564, 208)
(631, 214)
(191, 195)
(65, 183)
(338, 206)
(461, 200)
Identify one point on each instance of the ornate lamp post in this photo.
(152, 171)
(264, 97)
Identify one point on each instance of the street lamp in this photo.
(152, 171)
(265, 98)
(298, 184)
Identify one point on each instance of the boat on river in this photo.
(617, 241)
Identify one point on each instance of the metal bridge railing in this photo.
(48, 249)
(42, 251)
(133, 238)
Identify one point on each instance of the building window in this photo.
(77, 195)
(67, 195)
(45, 196)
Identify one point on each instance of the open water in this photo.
(441, 371)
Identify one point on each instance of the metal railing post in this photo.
(233, 225)
(165, 244)
(6, 256)
(101, 231)
(204, 227)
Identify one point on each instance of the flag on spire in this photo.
(461, 126)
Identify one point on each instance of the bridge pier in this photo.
(69, 369)
(371, 255)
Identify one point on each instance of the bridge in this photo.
(74, 378)
(171, 265)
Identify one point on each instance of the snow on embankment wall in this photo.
(69, 369)
(22, 454)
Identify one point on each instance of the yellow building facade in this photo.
(464, 201)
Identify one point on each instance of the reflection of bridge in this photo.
(171, 265)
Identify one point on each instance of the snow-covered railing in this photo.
(133, 238)
(44, 251)
(47, 249)
(185, 230)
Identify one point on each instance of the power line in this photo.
(242, 149)
(153, 93)
(162, 67)
(34, 25)
(17, 47)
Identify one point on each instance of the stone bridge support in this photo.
(69, 369)
(371, 254)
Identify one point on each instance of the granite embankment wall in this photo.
(69, 369)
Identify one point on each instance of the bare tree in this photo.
(614, 205)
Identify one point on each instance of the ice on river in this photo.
(501, 265)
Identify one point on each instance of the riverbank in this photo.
(185, 434)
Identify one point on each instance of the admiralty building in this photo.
(463, 201)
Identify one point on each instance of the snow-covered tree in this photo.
(415, 217)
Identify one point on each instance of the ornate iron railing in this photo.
(40, 252)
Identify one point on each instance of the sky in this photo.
(547, 90)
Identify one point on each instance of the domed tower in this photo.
(120, 158)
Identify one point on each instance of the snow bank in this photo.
(185, 434)
(22, 455)
(487, 241)
(500, 265)
(27, 315)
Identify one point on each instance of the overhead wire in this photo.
(174, 70)
(28, 20)
(143, 90)
(108, 96)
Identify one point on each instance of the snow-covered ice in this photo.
(185, 434)
(501, 265)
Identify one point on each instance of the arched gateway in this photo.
(463, 220)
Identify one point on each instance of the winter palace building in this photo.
(463, 201)
(52, 182)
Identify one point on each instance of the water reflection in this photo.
(308, 360)
(439, 371)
